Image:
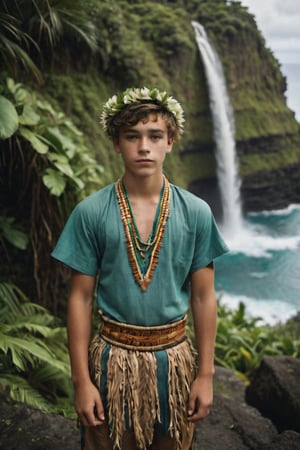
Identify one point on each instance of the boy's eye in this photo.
(131, 137)
(156, 137)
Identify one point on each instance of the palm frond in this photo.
(32, 346)
(13, 42)
(20, 390)
(23, 351)
(14, 303)
(45, 24)
(52, 21)
(88, 35)
(30, 325)
(52, 380)
(10, 298)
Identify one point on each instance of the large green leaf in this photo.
(78, 182)
(9, 120)
(23, 351)
(12, 86)
(45, 106)
(16, 237)
(26, 351)
(20, 95)
(61, 140)
(54, 181)
(29, 116)
(62, 163)
(35, 140)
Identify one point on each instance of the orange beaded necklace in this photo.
(136, 249)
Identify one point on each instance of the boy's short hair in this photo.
(135, 104)
(136, 112)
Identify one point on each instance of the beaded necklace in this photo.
(139, 252)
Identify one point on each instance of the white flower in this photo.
(145, 92)
(112, 101)
(132, 95)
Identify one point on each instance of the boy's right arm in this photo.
(88, 403)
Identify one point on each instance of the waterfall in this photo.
(223, 126)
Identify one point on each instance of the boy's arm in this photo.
(88, 403)
(204, 311)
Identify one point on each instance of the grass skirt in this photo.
(133, 393)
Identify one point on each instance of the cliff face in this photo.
(272, 188)
(150, 43)
(267, 134)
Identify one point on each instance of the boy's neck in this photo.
(143, 186)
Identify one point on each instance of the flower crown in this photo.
(134, 95)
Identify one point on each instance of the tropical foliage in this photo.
(34, 363)
(243, 341)
(52, 136)
(45, 168)
(32, 30)
(47, 164)
(15, 43)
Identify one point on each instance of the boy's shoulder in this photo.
(92, 206)
(102, 195)
(189, 200)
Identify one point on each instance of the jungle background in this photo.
(60, 61)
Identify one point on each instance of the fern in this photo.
(20, 390)
(34, 359)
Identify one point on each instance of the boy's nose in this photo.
(144, 145)
(144, 150)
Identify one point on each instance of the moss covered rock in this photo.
(153, 43)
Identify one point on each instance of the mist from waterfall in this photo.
(224, 131)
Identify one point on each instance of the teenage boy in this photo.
(150, 245)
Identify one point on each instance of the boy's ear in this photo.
(170, 144)
(116, 145)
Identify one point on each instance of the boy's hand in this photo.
(201, 397)
(88, 405)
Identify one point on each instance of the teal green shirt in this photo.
(93, 242)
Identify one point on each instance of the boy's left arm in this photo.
(204, 311)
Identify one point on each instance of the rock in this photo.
(25, 428)
(228, 385)
(266, 190)
(208, 190)
(275, 391)
(288, 440)
(232, 424)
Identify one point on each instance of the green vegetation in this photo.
(31, 33)
(45, 169)
(61, 59)
(268, 161)
(198, 165)
(242, 342)
(34, 362)
(53, 138)
(34, 358)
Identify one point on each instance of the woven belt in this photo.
(140, 338)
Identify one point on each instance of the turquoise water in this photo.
(263, 268)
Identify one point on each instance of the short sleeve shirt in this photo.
(93, 242)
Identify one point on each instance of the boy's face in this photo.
(144, 146)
